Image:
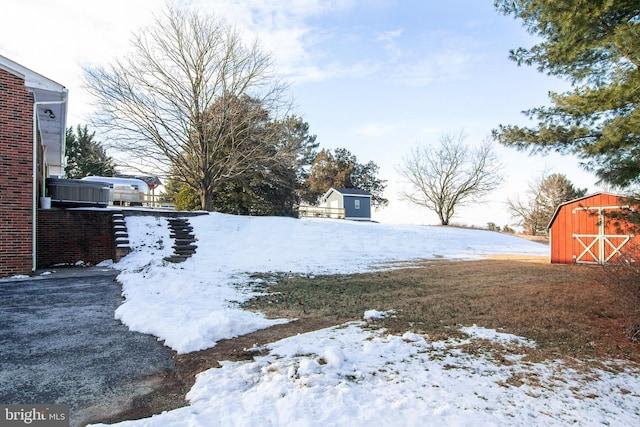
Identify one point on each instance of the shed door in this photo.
(596, 239)
(334, 209)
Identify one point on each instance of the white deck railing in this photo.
(321, 212)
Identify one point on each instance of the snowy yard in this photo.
(350, 374)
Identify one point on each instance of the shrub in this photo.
(187, 200)
(624, 276)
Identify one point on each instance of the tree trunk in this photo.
(206, 199)
(443, 220)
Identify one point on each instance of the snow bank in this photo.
(192, 305)
(346, 375)
(353, 376)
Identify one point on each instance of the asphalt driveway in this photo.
(60, 343)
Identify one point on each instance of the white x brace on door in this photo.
(601, 247)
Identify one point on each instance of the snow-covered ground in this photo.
(350, 374)
(193, 304)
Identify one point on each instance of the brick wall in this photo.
(16, 145)
(68, 236)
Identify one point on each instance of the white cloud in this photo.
(63, 35)
(284, 30)
(376, 129)
(305, 54)
(314, 73)
(284, 12)
(442, 66)
(388, 38)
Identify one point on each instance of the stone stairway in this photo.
(121, 236)
(184, 240)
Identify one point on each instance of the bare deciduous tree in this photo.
(544, 195)
(450, 175)
(528, 213)
(188, 99)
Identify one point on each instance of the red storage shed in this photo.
(581, 232)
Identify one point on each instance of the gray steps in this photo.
(184, 240)
(120, 236)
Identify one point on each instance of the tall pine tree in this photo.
(85, 156)
(595, 45)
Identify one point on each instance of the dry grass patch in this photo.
(561, 307)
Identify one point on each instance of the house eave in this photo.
(51, 100)
(32, 80)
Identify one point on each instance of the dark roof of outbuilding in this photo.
(352, 191)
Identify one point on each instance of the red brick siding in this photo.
(68, 236)
(16, 175)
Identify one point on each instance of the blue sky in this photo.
(374, 76)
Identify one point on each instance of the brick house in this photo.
(33, 112)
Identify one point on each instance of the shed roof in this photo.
(350, 191)
(555, 214)
(345, 192)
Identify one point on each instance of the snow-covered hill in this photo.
(192, 305)
(347, 375)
